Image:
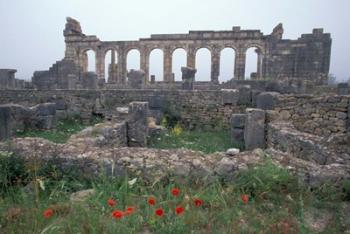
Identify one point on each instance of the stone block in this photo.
(238, 120)
(137, 127)
(245, 95)
(45, 122)
(343, 89)
(267, 100)
(136, 79)
(254, 130)
(44, 109)
(237, 137)
(229, 96)
(156, 102)
(188, 77)
(5, 122)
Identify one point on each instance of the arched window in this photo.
(227, 64)
(156, 59)
(251, 64)
(203, 65)
(133, 60)
(89, 61)
(179, 60)
(108, 63)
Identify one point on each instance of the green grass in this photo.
(276, 205)
(198, 140)
(64, 129)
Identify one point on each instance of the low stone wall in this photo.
(319, 115)
(196, 108)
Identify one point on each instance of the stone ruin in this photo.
(285, 111)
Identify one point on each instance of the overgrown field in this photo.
(36, 198)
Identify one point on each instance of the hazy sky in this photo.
(31, 30)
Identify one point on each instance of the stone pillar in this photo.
(259, 66)
(153, 79)
(137, 128)
(144, 64)
(5, 122)
(188, 74)
(215, 66)
(237, 130)
(168, 60)
(84, 62)
(254, 129)
(240, 64)
(136, 79)
(122, 71)
(191, 57)
(100, 64)
(112, 69)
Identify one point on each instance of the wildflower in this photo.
(198, 202)
(117, 214)
(48, 213)
(179, 210)
(111, 202)
(151, 201)
(159, 212)
(245, 198)
(129, 210)
(175, 192)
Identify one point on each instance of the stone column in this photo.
(191, 57)
(188, 77)
(259, 66)
(84, 61)
(254, 129)
(144, 64)
(240, 64)
(137, 128)
(100, 64)
(168, 60)
(122, 71)
(112, 69)
(215, 66)
(5, 122)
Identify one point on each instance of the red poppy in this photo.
(151, 201)
(117, 214)
(179, 210)
(245, 198)
(129, 210)
(111, 202)
(159, 212)
(175, 192)
(48, 213)
(198, 202)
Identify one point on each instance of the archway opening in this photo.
(251, 64)
(203, 64)
(89, 61)
(227, 64)
(133, 60)
(179, 60)
(156, 61)
(110, 70)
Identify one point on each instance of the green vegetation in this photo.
(64, 129)
(276, 202)
(198, 140)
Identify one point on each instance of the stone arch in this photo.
(156, 62)
(253, 62)
(110, 59)
(133, 58)
(88, 60)
(179, 59)
(227, 63)
(203, 64)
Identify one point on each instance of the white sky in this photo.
(31, 30)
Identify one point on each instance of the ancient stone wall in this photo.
(195, 108)
(319, 115)
(8, 80)
(306, 58)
